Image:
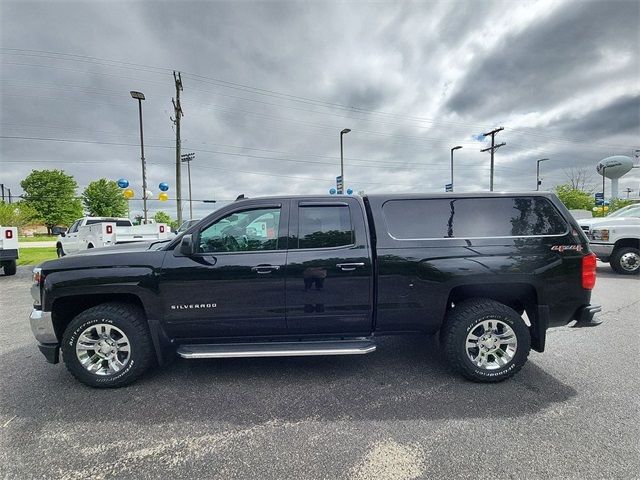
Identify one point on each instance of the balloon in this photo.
(123, 183)
(349, 191)
(163, 197)
(163, 186)
(332, 191)
(128, 193)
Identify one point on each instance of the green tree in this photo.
(573, 198)
(103, 198)
(162, 217)
(52, 194)
(17, 214)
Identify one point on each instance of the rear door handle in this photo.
(261, 269)
(349, 267)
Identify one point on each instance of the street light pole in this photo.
(604, 169)
(140, 96)
(186, 158)
(454, 148)
(538, 182)
(343, 132)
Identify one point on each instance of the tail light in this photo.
(589, 271)
(161, 228)
(109, 229)
(8, 234)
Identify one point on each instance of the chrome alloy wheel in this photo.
(630, 261)
(103, 349)
(491, 344)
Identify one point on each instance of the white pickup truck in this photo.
(96, 232)
(616, 239)
(8, 249)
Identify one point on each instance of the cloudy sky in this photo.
(269, 85)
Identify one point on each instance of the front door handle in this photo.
(261, 269)
(349, 267)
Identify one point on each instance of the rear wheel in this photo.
(108, 345)
(626, 260)
(485, 341)
(10, 267)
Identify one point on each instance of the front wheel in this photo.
(108, 345)
(485, 341)
(626, 261)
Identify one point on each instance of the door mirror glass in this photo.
(186, 246)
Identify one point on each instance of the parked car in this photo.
(9, 249)
(616, 239)
(97, 232)
(328, 275)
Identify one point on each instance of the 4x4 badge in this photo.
(562, 248)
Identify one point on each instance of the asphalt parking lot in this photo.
(572, 412)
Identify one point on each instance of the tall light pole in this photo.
(187, 158)
(342, 133)
(538, 181)
(140, 96)
(454, 148)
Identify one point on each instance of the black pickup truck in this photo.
(324, 275)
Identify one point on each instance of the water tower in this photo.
(614, 168)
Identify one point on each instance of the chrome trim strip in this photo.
(42, 326)
(186, 351)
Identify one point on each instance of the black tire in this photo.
(625, 261)
(10, 268)
(60, 251)
(127, 318)
(465, 318)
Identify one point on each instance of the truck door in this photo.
(234, 284)
(329, 271)
(70, 239)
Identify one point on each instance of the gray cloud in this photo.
(398, 58)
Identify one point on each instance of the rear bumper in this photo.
(585, 316)
(9, 254)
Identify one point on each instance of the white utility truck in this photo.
(8, 249)
(616, 239)
(96, 232)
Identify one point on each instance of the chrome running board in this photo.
(277, 349)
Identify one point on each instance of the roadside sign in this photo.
(599, 198)
(339, 185)
(448, 187)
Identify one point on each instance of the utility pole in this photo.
(187, 158)
(177, 114)
(492, 148)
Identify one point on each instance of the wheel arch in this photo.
(64, 309)
(521, 297)
(627, 242)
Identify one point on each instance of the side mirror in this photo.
(187, 247)
(63, 234)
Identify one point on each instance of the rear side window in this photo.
(324, 227)
(472, 218)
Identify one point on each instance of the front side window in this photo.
(246, 231)
(73, 228)
(324, 227)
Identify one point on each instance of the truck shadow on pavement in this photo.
(405, 379)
